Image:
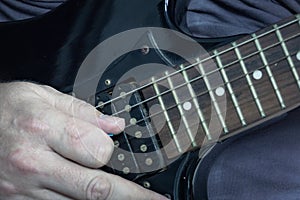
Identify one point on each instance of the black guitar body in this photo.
(50, 49)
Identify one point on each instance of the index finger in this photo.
(84, 111)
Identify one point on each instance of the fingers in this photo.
(77, 140)
(123, 189)
(84, 111)
(45, 194)
(42, 194)
(78, 182)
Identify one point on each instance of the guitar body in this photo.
(50, 49)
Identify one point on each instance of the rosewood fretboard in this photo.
(260, 79)
(232, 88)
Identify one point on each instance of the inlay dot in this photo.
(123, 95)
(220, 91)
(121, 157)
(298, 55)
(138, 134)
(143, 148)
(133, 121)
(116, 143)
(257, 74)
(127, 108)
(187, 106)
(148, 161)
(126, 170)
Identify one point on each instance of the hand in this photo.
(51, 145)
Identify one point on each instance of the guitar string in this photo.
(191, 126)
(206, 92)
(202, 61)
(232, 109)
(201, 77)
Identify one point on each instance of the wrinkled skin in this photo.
(51, 145)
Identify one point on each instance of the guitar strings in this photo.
(205, 92)
(202, 61)
(211, 72)
(233, 109)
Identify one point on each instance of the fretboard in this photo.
(234, 88)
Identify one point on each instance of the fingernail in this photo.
(120, 122)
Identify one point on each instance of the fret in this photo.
(253, 91)
(269, 71)
(195, 101)
(228, 84)
(182, 113)
(212, 96)
(170, 125)
(287, 54)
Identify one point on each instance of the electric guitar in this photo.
(176, 115)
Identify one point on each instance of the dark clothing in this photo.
(261, 165)
(24, 9)
(220, 18)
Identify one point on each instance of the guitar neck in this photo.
(255, 79)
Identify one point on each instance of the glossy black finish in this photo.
(50, 49)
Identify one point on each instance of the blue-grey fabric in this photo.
(264, 165)
(219, 18)
(11, 10)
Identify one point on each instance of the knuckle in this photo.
(82, 107)
(31, 125)
(99, 188)
(23, 162)
(7, 188)
(75, 132)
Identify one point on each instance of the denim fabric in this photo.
(23, 9)
(219, 18)
(265, 164)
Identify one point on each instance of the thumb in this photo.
(124, 189)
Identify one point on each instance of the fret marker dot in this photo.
(298, 55)
(220, 91)
(257, 74)
(187, 106)
(123, 95)
(133, 121)
(127, 108)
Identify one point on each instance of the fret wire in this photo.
(198, 95)
(205, 91)
(233, 97)
(197, 78)
(195, 101)
(287, 54)
(269, 71)
(170, 125)
(212, 96)
(243, 65)
(206, 59)
(257, 52)
(186, 124)
(200, 77)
